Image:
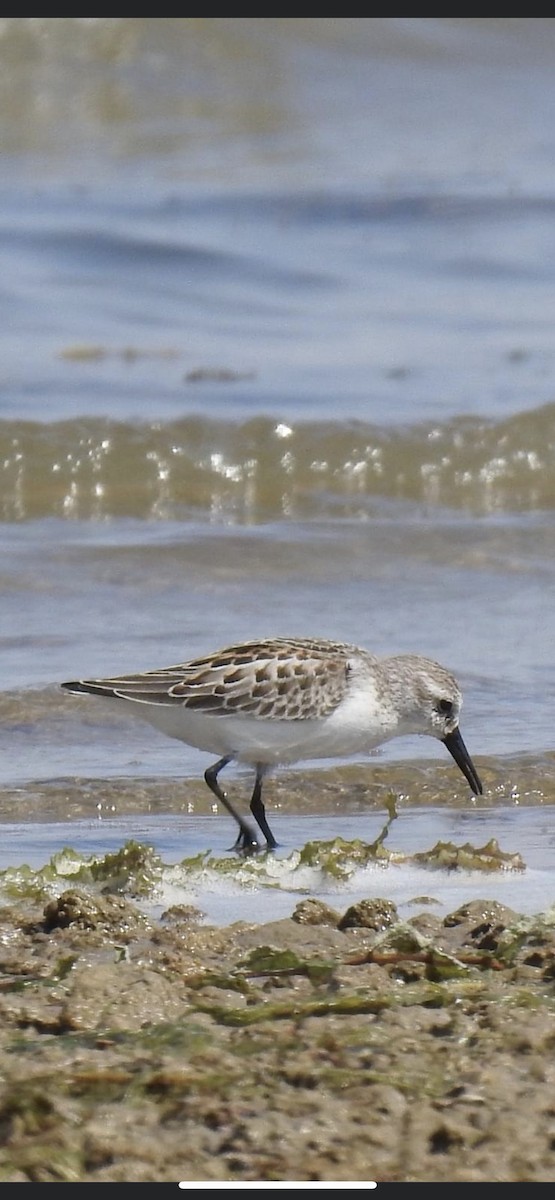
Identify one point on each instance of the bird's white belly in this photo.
(349, 730)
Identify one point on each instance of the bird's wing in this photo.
(274, 679)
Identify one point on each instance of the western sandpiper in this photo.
(281, 700)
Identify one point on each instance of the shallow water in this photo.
(276, 357)
(196, 867)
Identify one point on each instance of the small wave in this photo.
(269, 469)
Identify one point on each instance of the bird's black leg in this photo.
(259, 812)
(247, 839)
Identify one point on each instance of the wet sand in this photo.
(323, 1047)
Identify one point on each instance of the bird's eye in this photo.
(446, 707)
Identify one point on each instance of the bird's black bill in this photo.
(457, 748)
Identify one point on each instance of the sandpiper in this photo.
(281, 700)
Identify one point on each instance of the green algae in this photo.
(134, 869)
(339, 858)
(448, 856)
(427, 993)
(533, 931)
(267, 960)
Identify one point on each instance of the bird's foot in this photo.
(247, 843)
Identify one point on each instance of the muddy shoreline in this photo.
(324, 1047)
